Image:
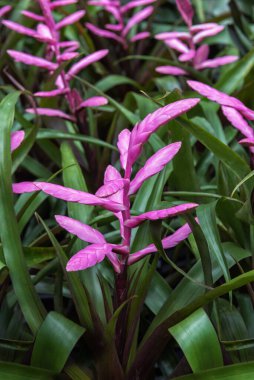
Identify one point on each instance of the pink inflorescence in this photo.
(189, 44)
(114, 195)
(120, 29)
(233, 109)
(57, 52)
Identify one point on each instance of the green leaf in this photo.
(199, 342)
(230, 372)
(54, 342)
(11, 371)
(29, 301)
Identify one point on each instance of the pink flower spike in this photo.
(44, 33)
(169, 35)
(207, 33)
(160, 214)
(217, 96)
(123, 146)
(248, 142)
(81, 230)
(33, 16)
(134, 4)
(88, 60)
(51, 112)
(71, 19)
(24, 187)
(169, 242)
(71, 195)
(16, 139)
(140, 36)
(143, 130)
(103, 33)
(186, 11)
(88, 257)
(62, 3)
(185, 57)
(238, 121)
(4, 10)
(68, 56)
(53, 93)
(95, 101)
(177, 45)
(216, 62)
(137, 18)
(171, 70)
(69, 45)
(154, 165)
(114, 27)
(31, 60)
(20, 28)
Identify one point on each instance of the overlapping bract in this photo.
(234, 110)
(56, 53)
(186, 44)
(120, 29)
(114, 195)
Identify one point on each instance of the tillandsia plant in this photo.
(115, 195)
(190, 44)
(57, 54)
(120, 29)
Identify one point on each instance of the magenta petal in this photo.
(4, 10)
(137, 18)
(103, 33)
(185, 57)
(154, 165)
(16, 139)
(53, 93)
(31, 60)
(71, 195)
(160, 214)
(33, 16)
(69, 45)
(177, 45)
(170, 70)
(111, 187)
(20, 28)
(61, 3)
(186, 10)
(123, 146)
(112, 256)
(248, 142)
(51, 112)
(217, 96)
(135, 4)
(169, 242)
(169, 35)
(95, 101)
(200, 27)
(216, 62)
(88, 257)
(71, 19)
(111, 174)
(140, 36)
(207, 33)
(24, 187)
(88, 60)
(143, 130)
(81, 230)
(201, 55)
(238, 121)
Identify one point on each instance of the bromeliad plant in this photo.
(115, 195)
(189, 44)
(57, 54)
(121, 30)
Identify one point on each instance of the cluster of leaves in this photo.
(126, 197)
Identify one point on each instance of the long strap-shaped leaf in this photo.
(29, 301)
